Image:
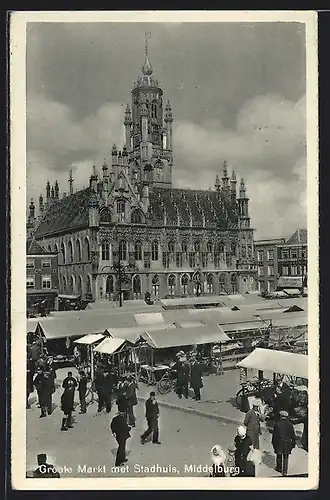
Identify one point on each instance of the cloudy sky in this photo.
(237, 92)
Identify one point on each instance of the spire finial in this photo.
(70, 182)
(147, 68)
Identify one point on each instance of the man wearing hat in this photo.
(121, 430)
(45, 470)
(283, 441)
(152, 414)
(182, 375)
(252, 423)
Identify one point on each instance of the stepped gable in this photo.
(68, 213)
(298, 237)
(218, 213)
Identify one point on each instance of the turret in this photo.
(168, 125)
(125, 159)
(48, 191)
(225, 178)
(217, 184)
(41, 205)
(30, 224)
(93, 210)
(32, 209)
(114, 154)
(56, 190)
(243, 206)
(70, 183)
(233, 183)
(105, 171)
(93, 180)
(128, 125)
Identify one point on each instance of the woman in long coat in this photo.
(243, 444)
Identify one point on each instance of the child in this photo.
(230, 465)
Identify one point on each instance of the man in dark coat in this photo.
(45, 470)
(120, 429)
(152, 415)
(108, 385)
(29, 382)
(44, 385)
(181, 368)
(67, 401)
(283, 441)
(131, 387)
(82, 388)
(101, 388)
(304, 437)
(243, 444)
(122, 400)
(252, 424)
(282, 401)
(196, 381)
(52, 369)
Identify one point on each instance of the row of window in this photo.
(219, 250)
(293, 270)
(260, 255)
(46, 282)
(45, 263)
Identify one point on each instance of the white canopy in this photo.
(287, 363)
(90, 338)
(109, 346)
(292, 291)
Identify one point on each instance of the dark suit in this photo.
(46, 471)
(82, 388)
(44, 385)
(121, 429)
(182, 378)
(152, 414)
(252, 424)
(196, 379)
(243, 446)
(283, 441)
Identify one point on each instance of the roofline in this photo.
(62, 231)
(52, 254)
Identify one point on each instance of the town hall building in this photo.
(167, 241)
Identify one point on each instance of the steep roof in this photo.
(67, 213)
(34, 248)
(71, 212)
(298, 237)
(183, 202)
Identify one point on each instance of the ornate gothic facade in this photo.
(170, 241)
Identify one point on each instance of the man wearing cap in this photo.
(252, 424)
(45, 470)
(283, 441)
(152, 414)
(120, 429)
(196, 381)
(182, 375)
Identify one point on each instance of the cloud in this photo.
(267, 148)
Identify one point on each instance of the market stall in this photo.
(290, 376)
(88, 342)
(118, 350)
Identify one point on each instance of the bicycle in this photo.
(166, 384)
(250, 388)
(91, 395)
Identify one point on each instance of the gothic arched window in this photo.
(154, 250)
(105, 250)
(138, 250)
(222, 283)
(233, 249)
(197, 246)
(171, 246)
(184, 247)
(184, 284)
(158, 171)
(121, 205)
(210, 283)
(78, 250)
(86, 251)
(171, 284)
(137, 284)
(136, 217)
(123, 250)
(70, 246)
(209, 247)
(105, 215)
(63, 253)
(109, 284)
(155, 285)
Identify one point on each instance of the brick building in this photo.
(169, 241)
(282, 263)
(41, 278)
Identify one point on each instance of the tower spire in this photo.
(70, 182)
(147, 68)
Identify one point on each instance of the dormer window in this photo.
(121, 209)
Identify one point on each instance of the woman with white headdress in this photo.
(243, 444)
(218, 459)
